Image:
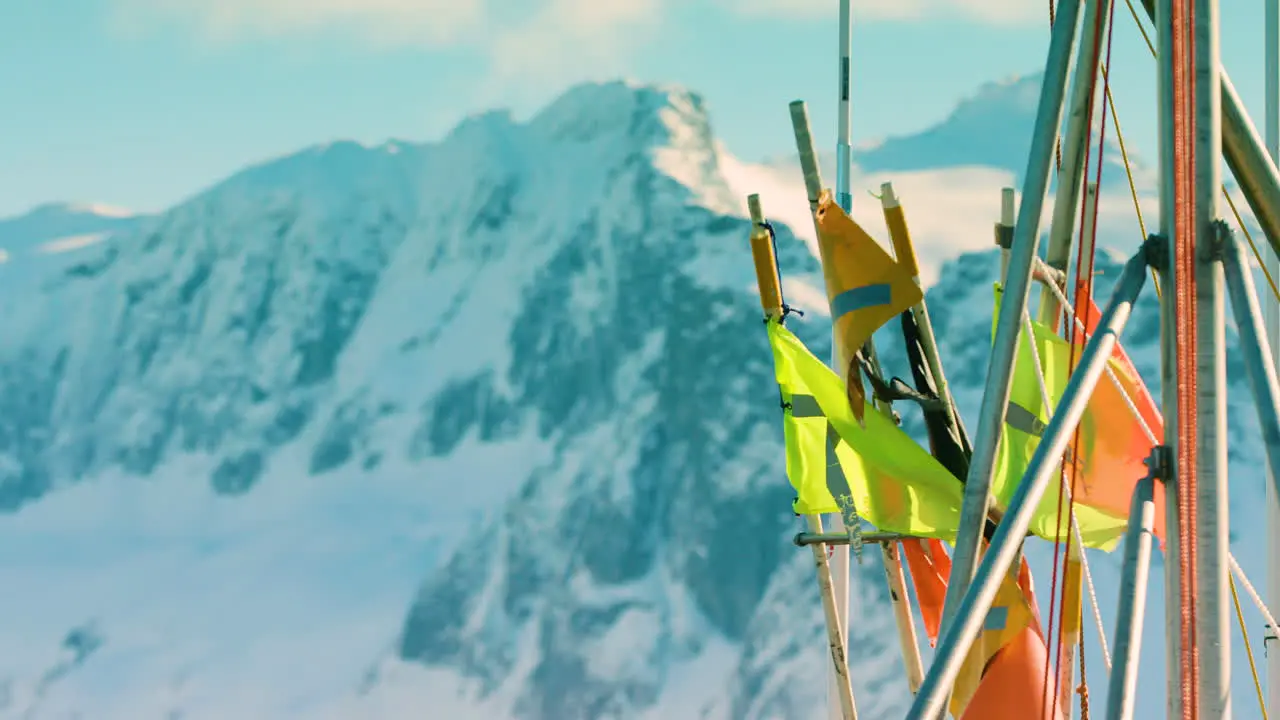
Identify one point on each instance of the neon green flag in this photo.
(1026, 419)
(836, 466)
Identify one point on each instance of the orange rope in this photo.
(1084, 681)
(1182, 19)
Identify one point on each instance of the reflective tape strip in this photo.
(997, 619)
(837, 485)
(806, 406)
(1021, 419)
(861, 298)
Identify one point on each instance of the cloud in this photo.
(545, 41)
(569, 38)
(436, 22)
(995, 12)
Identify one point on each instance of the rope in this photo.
(1151, 437)
(1253, 668)
(1097, 611)
(1075, 521)
(1128, 169)
(1185, 328)
(1254, 246)
(1248, 588)
(1083, 287)
(1084, 683)
(1275, 290)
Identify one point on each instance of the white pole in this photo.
(844, 139)
(1271, 306)
(844, 196)
(1213, 621)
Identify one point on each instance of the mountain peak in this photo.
(590, 110)
(991, 127)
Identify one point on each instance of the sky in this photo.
(142, 103)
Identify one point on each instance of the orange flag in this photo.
(1116, 458)
(1008, 659)
(866, 288)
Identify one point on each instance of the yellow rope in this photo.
(1235, 597)
(1128, 170)
(1256, 253)
(1132, 188)
(1136, 21)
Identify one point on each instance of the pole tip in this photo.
(753, 206)
(1007, 197)
(887, 197)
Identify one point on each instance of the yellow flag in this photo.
(837, 465)
(866, 288)
(1101, 512)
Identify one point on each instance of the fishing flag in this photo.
(873, 471)
(1120, 495)
(1006, 664)
(1108, 459)
(866, 288)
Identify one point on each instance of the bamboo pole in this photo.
(813, 189)
(766, 264)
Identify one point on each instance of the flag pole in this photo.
(1122, 690)
(844, 140)
(904, 251)
(770, 285)
(1075, 148)
(1246, 155)
(839, 561)
(977, 490)
(1004, 229)
(1271, 649)
(959, 634)
(844, 196)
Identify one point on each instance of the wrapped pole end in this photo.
(895, 218)
(763, 255)
(805, 148)
(753, 207)
(888, 199)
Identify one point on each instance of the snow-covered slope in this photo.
(482, 428)
(56, 227)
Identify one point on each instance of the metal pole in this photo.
(960, 634)
(995, 398)
(1123, 687)
(1257, 351)
(1168, 359)
(1271, 651)
(1246, 155)
(844, 196)
(1004, 229)
(844, 139)
(1213, 614)
(1067, 199)
(868, 537)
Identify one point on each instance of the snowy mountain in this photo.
(991, 128)
(481, 428)
(58, 226)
